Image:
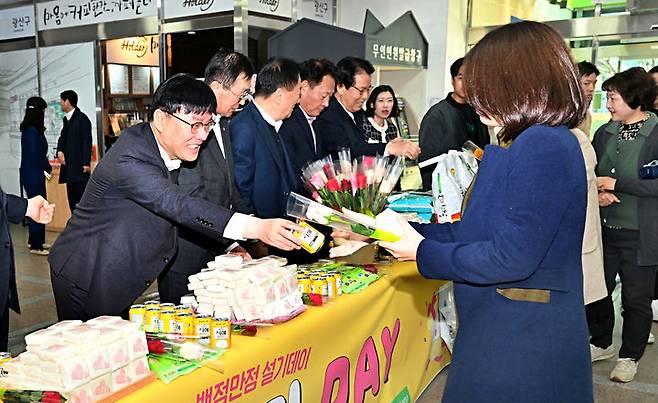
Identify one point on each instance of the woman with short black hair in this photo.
(628, 214)
(34, 162)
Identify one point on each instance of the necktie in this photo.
(173, 175)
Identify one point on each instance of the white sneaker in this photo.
(624, 371)
(651, 338)
(599, 353)
(654, 308)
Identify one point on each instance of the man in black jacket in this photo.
(124, 231)
(340, 125)
(318, 82)
(74, 148)
(13, 209)
(211, 176)
(448, 124)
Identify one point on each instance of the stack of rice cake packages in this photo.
(85, 362)
(257, 290)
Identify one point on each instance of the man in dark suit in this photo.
(74, 148)
(263, 172)
(317, 86)
(13, 209)
(124, 231)
(340, 125)
(211, 176)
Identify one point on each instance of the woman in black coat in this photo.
(13, 209)
(34, 164)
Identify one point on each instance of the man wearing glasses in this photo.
(123, 233)
(340, 125)
(211, 176)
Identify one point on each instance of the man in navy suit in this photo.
(340, 125)
(74, 148)
(210, 176)
(318, 83)
(263, 171)
(124, 231)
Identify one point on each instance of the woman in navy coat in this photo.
(515, 258)
(34, 162)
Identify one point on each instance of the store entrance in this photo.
(130, 74)
(189, 52)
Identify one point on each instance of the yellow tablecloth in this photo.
(381, 344)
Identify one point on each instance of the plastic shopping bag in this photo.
(451, 178)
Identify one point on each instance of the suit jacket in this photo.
(34, 157)
(263, 173)
(210, 177)
(123, 232)
(337, 130)
(75, 142)
(12, 209)
(515, 260)
(299, 142)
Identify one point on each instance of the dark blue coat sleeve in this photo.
(16, 208)
(522, 234)
(244, 159)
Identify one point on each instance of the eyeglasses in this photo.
(238, 96)
(196, 126)
(362, 90)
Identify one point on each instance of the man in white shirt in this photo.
(211, 176)
(124, 232)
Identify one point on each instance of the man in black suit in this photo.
(124, 231)
(74, 148)
(13, 209)
(211, 176)
(340, 125)
(318, 83)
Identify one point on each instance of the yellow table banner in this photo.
(382, 344)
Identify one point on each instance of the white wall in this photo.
(444, 24)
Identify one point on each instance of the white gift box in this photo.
(121, 378)
(187, 300)
(125, 326)
(137, 346)
(101, 387)
(118, 352)
(139, 368)
(44, 337)
(194, 279)
(194, 286)
(228, 261)
(29, 358)
(74, 372)
(56, 352)
(103, 320)
(98, 361)
(83, 334)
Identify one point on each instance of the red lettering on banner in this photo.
(205, 396)
(366, 375)
(388, 342)
(337, 370)
(367, 371)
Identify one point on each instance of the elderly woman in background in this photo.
(515, 258)
(629, 208)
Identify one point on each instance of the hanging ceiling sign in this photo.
(186, 8)
(72, 13)
(17, 22)
(280, 8)
(401, 44)
(138, 50)
(319, 10)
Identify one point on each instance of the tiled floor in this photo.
(38, 310)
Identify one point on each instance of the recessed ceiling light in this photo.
(191, 32)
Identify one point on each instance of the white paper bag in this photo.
(451, 178)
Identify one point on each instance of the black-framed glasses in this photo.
(196, 126)
(362, 90)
